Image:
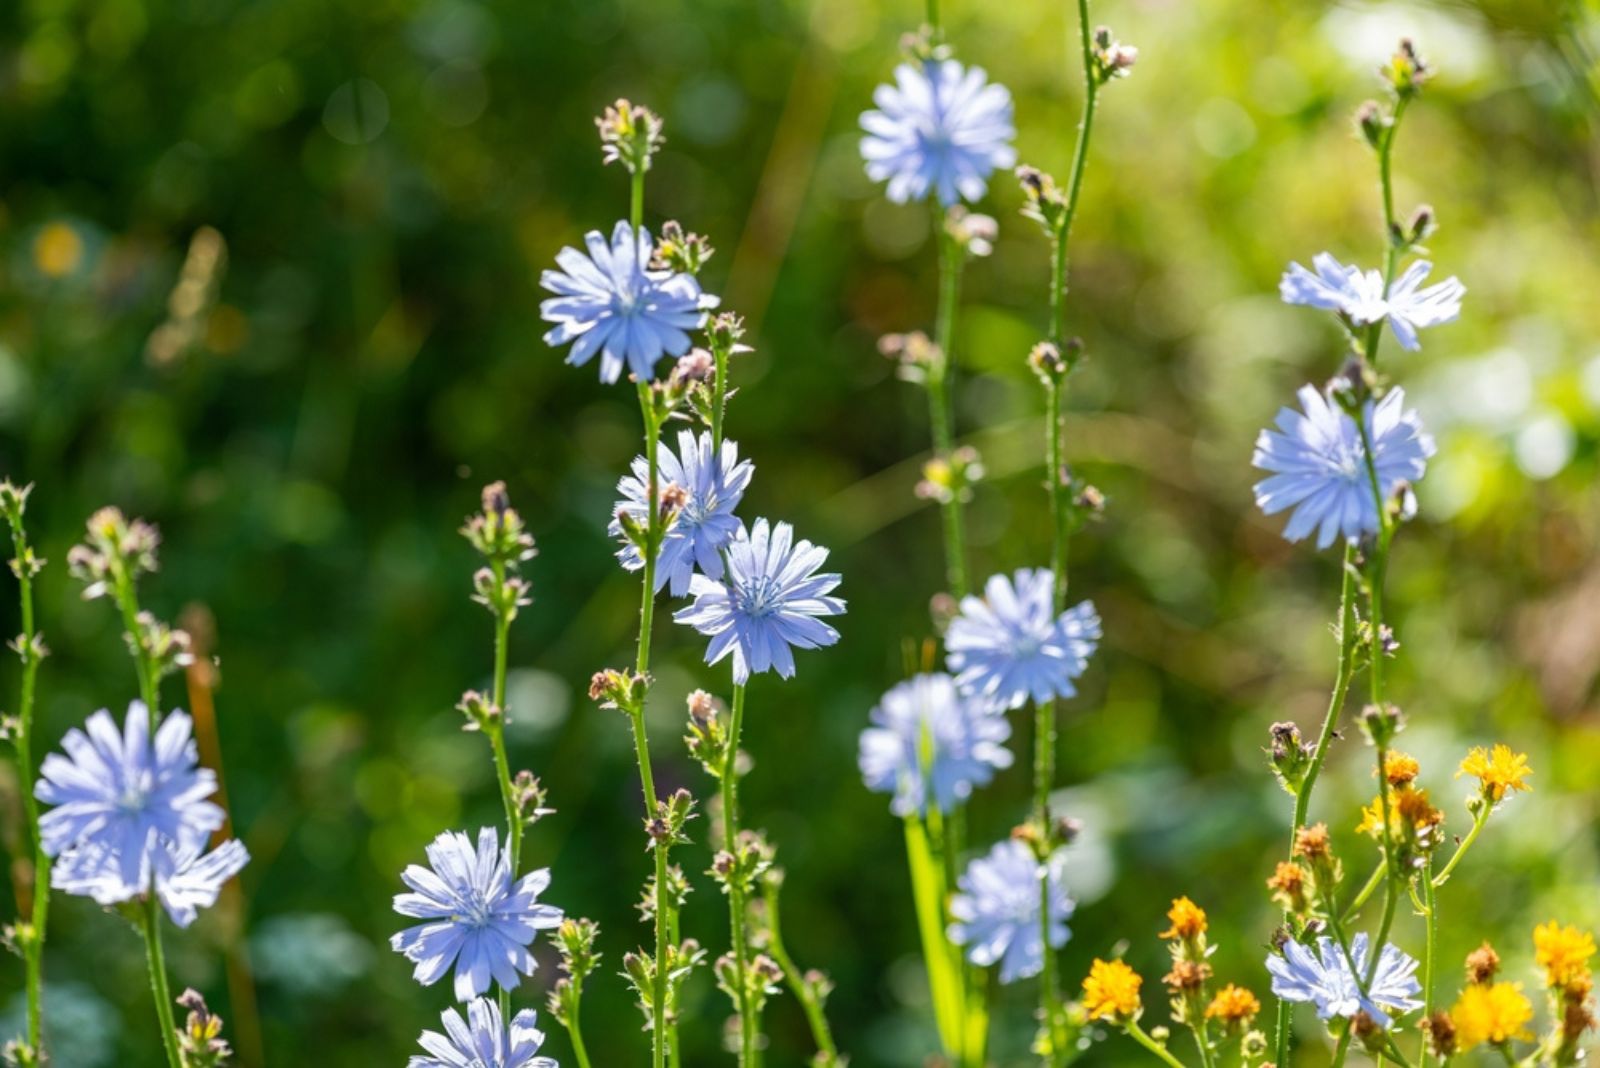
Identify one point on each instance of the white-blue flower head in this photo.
(767, 604)
(713, 482)
(1326, 979)
(941, 128)
(997, 910)
(483, 1041)
(610, 302)
(1359, 295)
(126, 798)
(478, 919)
(1010, 645)
(929, 742)
(1318, 464)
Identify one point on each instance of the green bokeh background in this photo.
(391, 175)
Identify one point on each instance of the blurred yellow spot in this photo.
(57, 250)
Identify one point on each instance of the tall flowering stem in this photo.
(30, 648)
(1345, 467)
(1053, 361)
(116, 551)
(498, 534)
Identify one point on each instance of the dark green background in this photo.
(391, 175)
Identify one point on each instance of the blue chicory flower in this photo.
(997, 910)
(941, 128)
(125, 797)
(1010, 645)
(1359, 295)
(610, 301)
(714, 483)
(1327, 980)
(767, 603)
(928, 741)
(483, 1041)
(479, 920)
(1318, 464)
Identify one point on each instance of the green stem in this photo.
(1080, 159)
(155, 958)
(719, 404)
(1386, 191)
(1342, 1049)
(1138, 1034)
(575, 1027)
(659, 1025)
(497, 736)
(1391, 899)
(933, 20)
(941, 413)
(1044, 765)
(636, 200)
(128, 601)
(1341, 687)
(1466, 843)
(818, 1020)
(1369, 888)
(929, 893)
(1430, 951)
(1330, 727)
(736, 902)
(1202, 1036)
(33, 955)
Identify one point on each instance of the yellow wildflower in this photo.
(1563, 953)
(1401, 769)
(1497, 771)
(1111, 991)
(1233, 1005)
(1288, 886)
(1493, 1014)
(1188, 920)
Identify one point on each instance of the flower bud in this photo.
(1371, 122)
(1406, 71)
(679, 250)
(1380, 723)
(630, 135)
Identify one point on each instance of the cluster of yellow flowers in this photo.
(1496, 1013)
(1111, 993)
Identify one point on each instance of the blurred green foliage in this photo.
(309, 416)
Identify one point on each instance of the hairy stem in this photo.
(1430, 950)
(162, 993)
(497, 736)
(659, 1025)
(33, 950)
(737, 912)
(575, 1027)
(128, 601)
